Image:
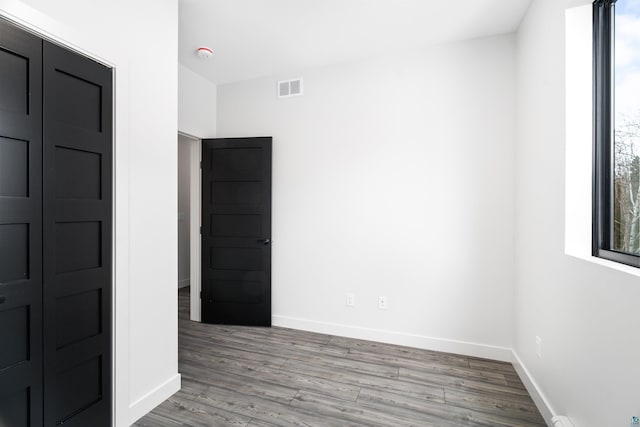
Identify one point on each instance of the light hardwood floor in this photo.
(259, 377)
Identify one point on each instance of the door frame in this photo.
(195, 195)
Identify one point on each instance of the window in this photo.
(616, 224)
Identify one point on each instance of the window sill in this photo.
(633, 271)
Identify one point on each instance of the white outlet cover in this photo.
(539, 347)
(382, 302)
(351, 300)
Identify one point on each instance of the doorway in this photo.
(184, 174)
(189, 221)
(239, 275)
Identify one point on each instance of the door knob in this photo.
(264, 241)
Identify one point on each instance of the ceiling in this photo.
(254, 38)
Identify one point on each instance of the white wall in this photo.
(586, 313)
(184, 209)
(120, 32)
(393, 177)
(196, 104)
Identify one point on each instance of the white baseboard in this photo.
(146, 403)
(183, 283)
(399, 338)
(538, 397)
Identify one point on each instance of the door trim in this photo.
(195, 193)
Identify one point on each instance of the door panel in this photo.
(82, 179)
(236, 232)
(14, 168)
(20, 227)
(77, 229)
(14, 89)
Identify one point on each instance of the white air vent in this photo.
(287, 88)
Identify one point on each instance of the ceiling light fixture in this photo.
(204, 52)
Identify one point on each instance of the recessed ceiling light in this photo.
(204, 52)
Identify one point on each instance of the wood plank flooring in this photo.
(265, 377)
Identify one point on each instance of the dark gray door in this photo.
(20, 227)
(77, 239)
(55, 235)
(236, 231)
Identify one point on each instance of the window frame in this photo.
(603, 134)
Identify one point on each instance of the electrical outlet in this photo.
(382, 302)
(539, 347)
(351, 299)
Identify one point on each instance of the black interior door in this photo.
(77, 239)
(236, 231)
(20, 227)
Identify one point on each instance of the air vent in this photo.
(287, 88)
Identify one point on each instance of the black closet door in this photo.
(20, 227)
(77, 239)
